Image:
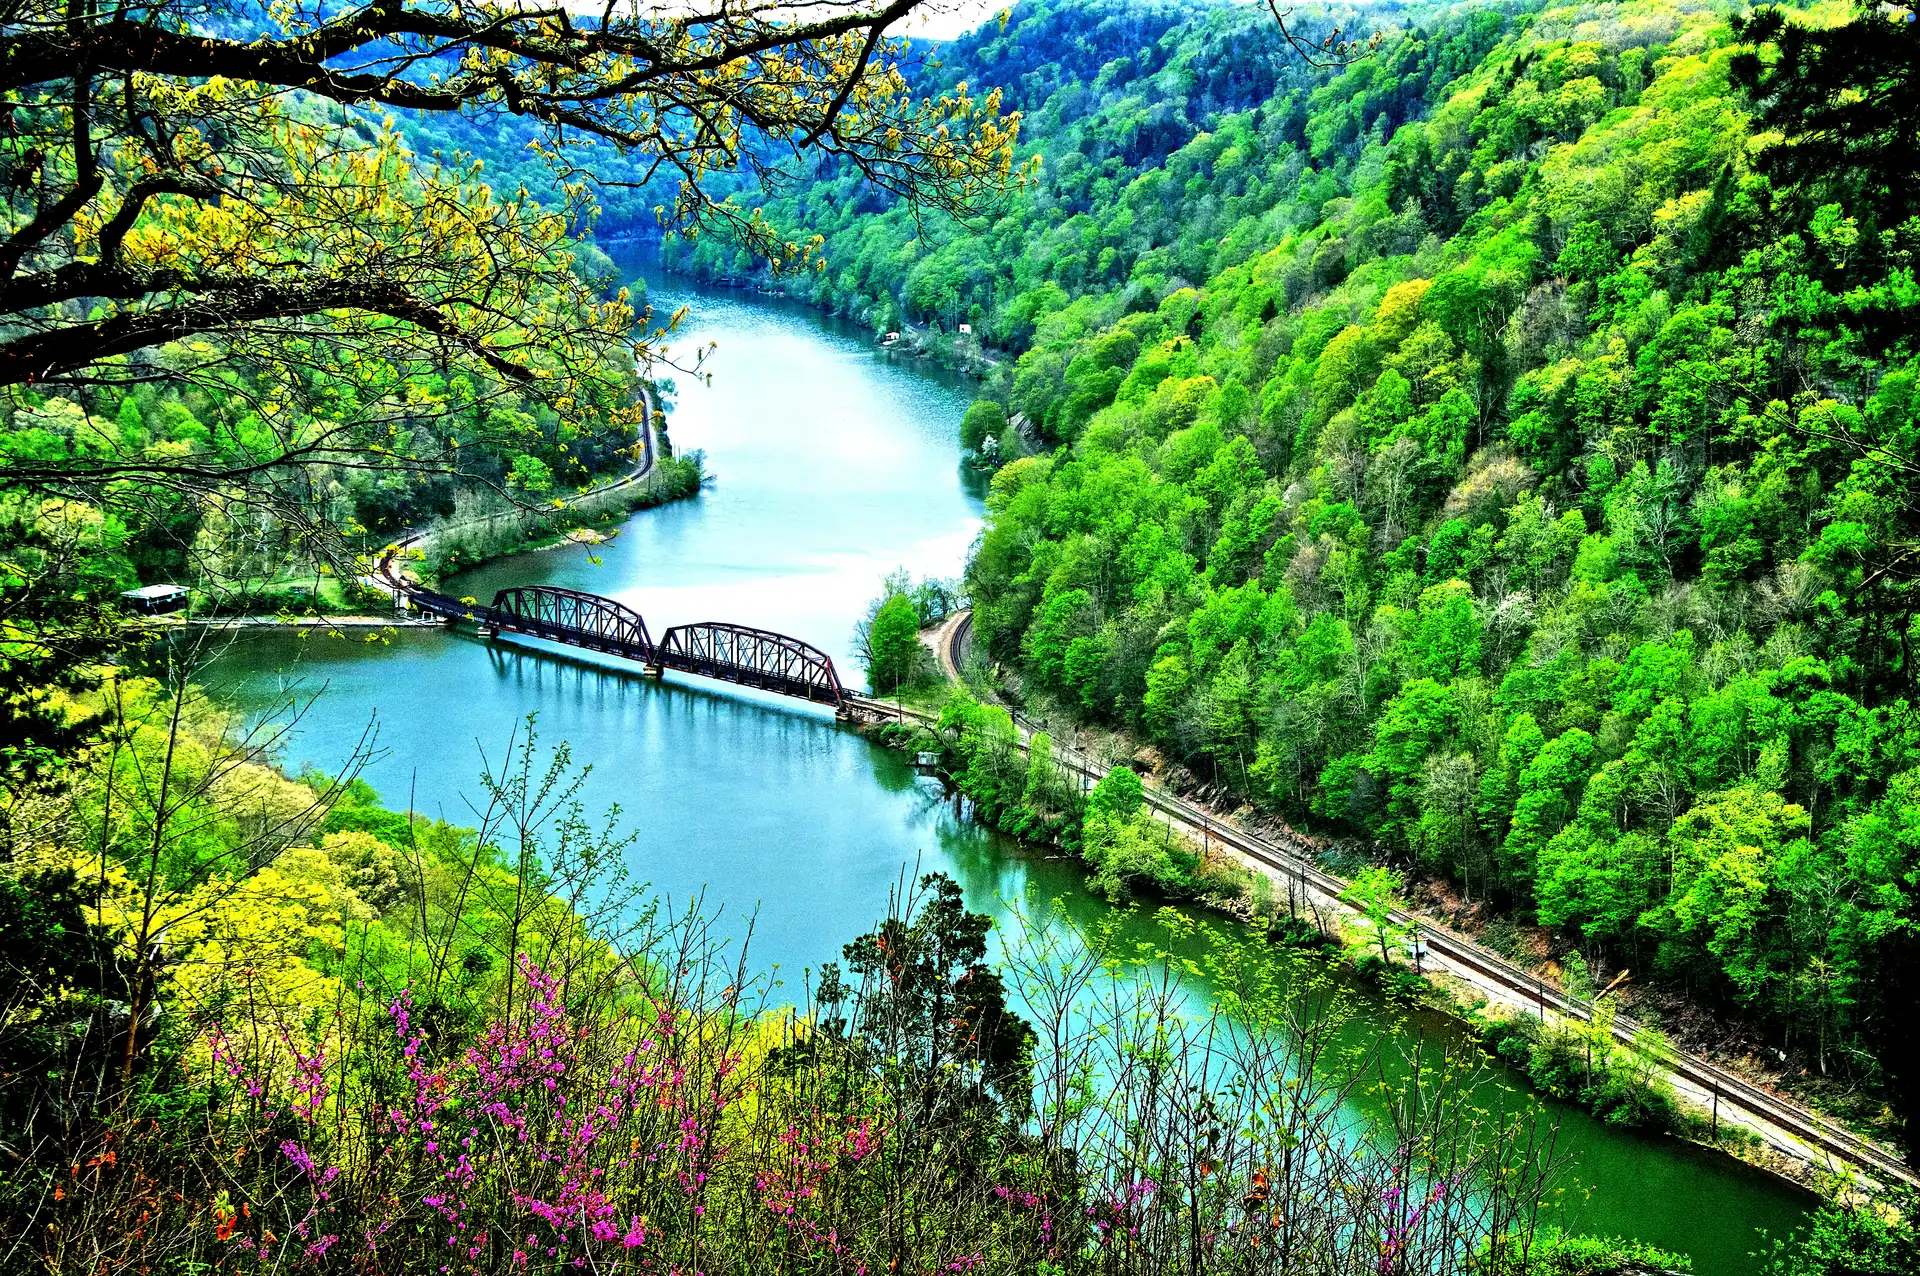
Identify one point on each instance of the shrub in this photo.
(1557, 1253)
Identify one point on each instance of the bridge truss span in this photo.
(752, 658)
(738, 654)
(576, 618)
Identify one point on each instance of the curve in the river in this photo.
(833, 466)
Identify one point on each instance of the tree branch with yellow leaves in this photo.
(191, 188)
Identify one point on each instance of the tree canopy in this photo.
(222, 195)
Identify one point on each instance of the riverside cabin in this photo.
(153, 600)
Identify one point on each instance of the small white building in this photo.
(966, 330)
(152, 600)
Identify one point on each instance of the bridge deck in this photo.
(738, 654)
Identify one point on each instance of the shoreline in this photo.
(1801, 1146)
(403, 616)
(345, 620)
(416, 544)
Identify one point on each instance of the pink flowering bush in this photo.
(627, 1139)
(640, 1116)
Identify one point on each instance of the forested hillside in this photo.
(1113, 98)
(1495, 450)
(1498, 452)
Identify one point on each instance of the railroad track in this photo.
(1489, 971)
(1711, 1081)
(959, 638)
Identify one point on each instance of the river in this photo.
(832, 465)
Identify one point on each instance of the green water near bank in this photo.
(833, 465)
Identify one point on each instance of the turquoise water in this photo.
(833, 464)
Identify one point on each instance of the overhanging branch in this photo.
(37, 356)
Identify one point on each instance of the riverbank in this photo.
(481, 536)
(961, 352)
(296, 624)
(1726, 1112)
(459, 544)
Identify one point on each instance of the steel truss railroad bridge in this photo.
(713, 649)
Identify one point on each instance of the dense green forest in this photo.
(512, 444)
(1499, 449)
(1112, 96)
